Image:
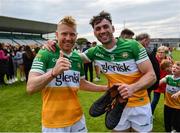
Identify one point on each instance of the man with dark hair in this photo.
(125, 63)
(144, 39)
(127, 34)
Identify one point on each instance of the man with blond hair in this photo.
(58, 76)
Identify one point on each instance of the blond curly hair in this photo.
(68, 20)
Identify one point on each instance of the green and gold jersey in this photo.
(119, 65)
(172, 87)
(61, 107)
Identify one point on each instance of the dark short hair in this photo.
(142, 36)
(127, 32)
(98, 18)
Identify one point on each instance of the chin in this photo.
(106, 42)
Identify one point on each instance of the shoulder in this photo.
(91, 50)
(168, 77)
(127, 42)
(44, 52)
(76, 54)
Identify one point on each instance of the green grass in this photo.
(20, 112)
(176, 55)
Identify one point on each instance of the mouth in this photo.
(104, 37)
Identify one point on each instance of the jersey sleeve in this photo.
(82, 71)
(164, 80)
(39, 62)
(89, 54)
(139, 52)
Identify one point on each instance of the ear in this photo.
(76, 35)
(113, 28)
(57, 34)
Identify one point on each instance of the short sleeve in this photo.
(139, 52)
(39, 62)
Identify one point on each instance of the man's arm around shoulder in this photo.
(88, 86)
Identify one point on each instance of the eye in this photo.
(97, 28)
(64, 34)
(106, 26)
(72, 34)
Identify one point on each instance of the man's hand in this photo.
(50, 45)
(62, 65)
(125, 90)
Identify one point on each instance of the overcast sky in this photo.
(159, 18)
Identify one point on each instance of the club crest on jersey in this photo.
(125, 55)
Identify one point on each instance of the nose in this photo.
(68, 37)
(102, 30)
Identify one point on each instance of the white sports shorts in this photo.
(79, 126)
(138, 118)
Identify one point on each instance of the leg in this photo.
(26, 73)
(155, 101)
(91, 71)
(176, 120)
(167, 118)
(149, 93)
(86, 71)
(141, 119)
(97, 71)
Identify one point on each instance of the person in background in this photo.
(20, 62)
(88, 67)
(144, 39)
(127, 34)
(58, 76)
(165, 68)
(96, 67)
(172, 99)
(28, 57)
(3, 64)
(168, 53)
(15, 65)
(10, 73)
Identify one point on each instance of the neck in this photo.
(111, 44)
(67, 52)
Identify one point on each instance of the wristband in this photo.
(52, 75)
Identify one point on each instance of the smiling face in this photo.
(66, 36)
(104, 32)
